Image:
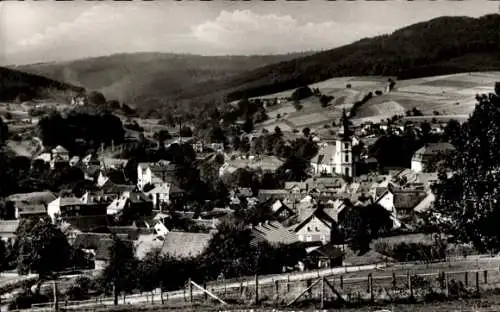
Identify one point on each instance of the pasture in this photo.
(446, 95)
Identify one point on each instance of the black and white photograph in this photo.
(250, 156)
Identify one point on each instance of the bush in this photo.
(297, 106)
(348, 86)
(301, 93)
(378, 92)
(412, 251)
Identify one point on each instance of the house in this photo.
(89, 242)
(75, 160)
(425, 155)
(130, 202)
(339, 158)
(26, 210)
(164, 194)
(91, 160)
(325, 256)
(281, 210)
(60, 156)
(273, 233)
(73, 226)
(8, 229)
(401, 202)
(147, 243)
(44, 156)
(27, 204)
(265, 194)
(154, 173)
(113, 163)
(317, 227)
(71, 206)
(184, 245)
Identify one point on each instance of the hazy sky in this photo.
(44, 31)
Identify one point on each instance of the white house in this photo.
(425, 155)
(317, 227)
(160, 195)
(154, 173)
(64, 206)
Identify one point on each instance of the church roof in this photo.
(325, 155)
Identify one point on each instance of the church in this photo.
(337, 158)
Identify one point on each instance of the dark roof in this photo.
(244, 191)
(432, 149)
(274, 233)
(30, 209)
(321, 215)
(132, 232)
(408, 199)
(91, 240)
(183, 244)
(87, 223)
(327, 251)
(103, 251)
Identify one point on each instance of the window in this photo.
(316, 229)
(346, 157)
(347, 171)
(308, 229)
(346, 145)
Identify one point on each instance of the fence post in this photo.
(477, 281)
(256, 289)
(447, 291)
(288, 283)
(466, 278)
(393, 280)
(323, 292)
(205, 287)
(56, 302)
(276, 287)
(342, 282)
(184, 293)
(370, 285)
(410, 286)
(308, 282)
(486, 276)
(190, 290)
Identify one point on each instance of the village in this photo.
(315, 213)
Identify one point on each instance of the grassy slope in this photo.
(137, 78)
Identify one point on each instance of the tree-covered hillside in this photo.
(17, 85)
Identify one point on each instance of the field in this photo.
(449, 95)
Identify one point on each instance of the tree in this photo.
(306, 131)
(121, 268)
(470, 199)
(4, 132)
(43, 248)
(186, 132)
(301, 93)
(248, 125)
(453, 132)
(96, 98)
(426, 131)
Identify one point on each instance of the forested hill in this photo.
(19, 85)
(135, 77)
(443, 45)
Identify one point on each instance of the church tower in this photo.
(344, 162)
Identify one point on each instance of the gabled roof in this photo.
(325, 155)
(84, 223)
(69, 201)
(31, 209)
(59, 149)
(146, 243)
(432, 149)
(408, 199)
(184, 245)
(321, 215)
(43, 197)
(327, 251)
(274, 233)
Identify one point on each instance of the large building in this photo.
(337, 158)
(428, 153)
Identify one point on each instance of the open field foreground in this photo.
(388, 283)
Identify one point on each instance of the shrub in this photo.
(348, 86)
(412, 251)
(378, 92)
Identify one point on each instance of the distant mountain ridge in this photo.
(171, 82)
(443, 45)
(131, 77)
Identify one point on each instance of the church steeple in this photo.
(345, 131)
